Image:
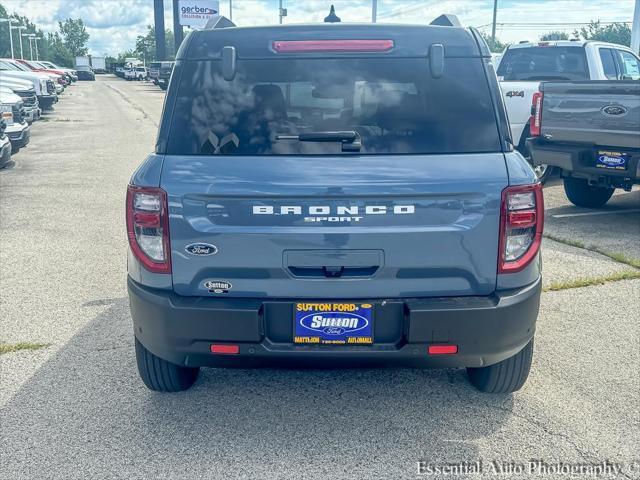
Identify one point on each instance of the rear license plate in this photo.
(612, 160)
(329, 323)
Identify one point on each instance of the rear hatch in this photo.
(398, 194)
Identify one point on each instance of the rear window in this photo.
(392, 103)
(544, 63)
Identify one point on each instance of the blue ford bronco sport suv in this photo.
(334, 194)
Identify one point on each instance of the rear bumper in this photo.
(32, 113)
(47, 101)
(19, 138)
(486, 330)
(579, 161)
(5, 152)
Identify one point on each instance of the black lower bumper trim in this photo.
(579, 161)
(485, 329)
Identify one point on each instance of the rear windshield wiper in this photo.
(350, 139)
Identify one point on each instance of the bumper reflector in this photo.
(442, 349)
(225, 349)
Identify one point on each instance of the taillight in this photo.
(521, 225)
(536, 114)
(148, 227)
(299, 46)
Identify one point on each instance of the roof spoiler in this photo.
(446, 20)
(219, 22)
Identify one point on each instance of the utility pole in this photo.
(493, 26)
(635, 29)
(231, 10)
(282, 12)
(158, 21)
(374, 11)
(9, 22)
(178, 32)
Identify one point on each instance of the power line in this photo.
(402, 10)
(549, 24)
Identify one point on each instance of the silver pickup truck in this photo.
(591, 131)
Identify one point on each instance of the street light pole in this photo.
(374, 11)
(35, 40)
(30, 46)
(231, 10)
(20, 35)
(493, 26)
(9, 22)
(635, 29)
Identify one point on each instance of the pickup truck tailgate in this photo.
(603, 113)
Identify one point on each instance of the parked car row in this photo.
(26, 89)
(157, 72)
(160, 73)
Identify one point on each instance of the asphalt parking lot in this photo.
(75, 408)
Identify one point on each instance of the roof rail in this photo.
(219, 22)
(446, 20)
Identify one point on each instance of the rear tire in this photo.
(162, 376)
(504, 377)
(581, 194)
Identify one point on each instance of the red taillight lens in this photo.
(148, 227)
(521, 226)
(535, 124)
(298, 46)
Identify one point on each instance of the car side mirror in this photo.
(436, 60)
(229, 63)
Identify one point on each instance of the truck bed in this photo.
(603, 113)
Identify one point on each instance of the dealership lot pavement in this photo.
(76, 408)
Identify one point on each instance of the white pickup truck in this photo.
(523, 66)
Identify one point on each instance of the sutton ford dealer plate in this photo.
(612, 160)
(329, 323)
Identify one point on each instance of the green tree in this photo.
(146, 44)
(557, 35)
(58, 51)
(495, 46)
(127, 54)
(619, 33)
(5, 44)
(74, 36)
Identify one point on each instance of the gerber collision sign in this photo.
(196, 13)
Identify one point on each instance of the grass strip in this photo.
(615, 256)
(17, 347)
(590, 281)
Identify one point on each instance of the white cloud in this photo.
(114, 24)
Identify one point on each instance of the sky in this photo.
(114, 24)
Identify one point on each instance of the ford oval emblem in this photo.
(334, 323)
(614, 110)
(201, 249)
